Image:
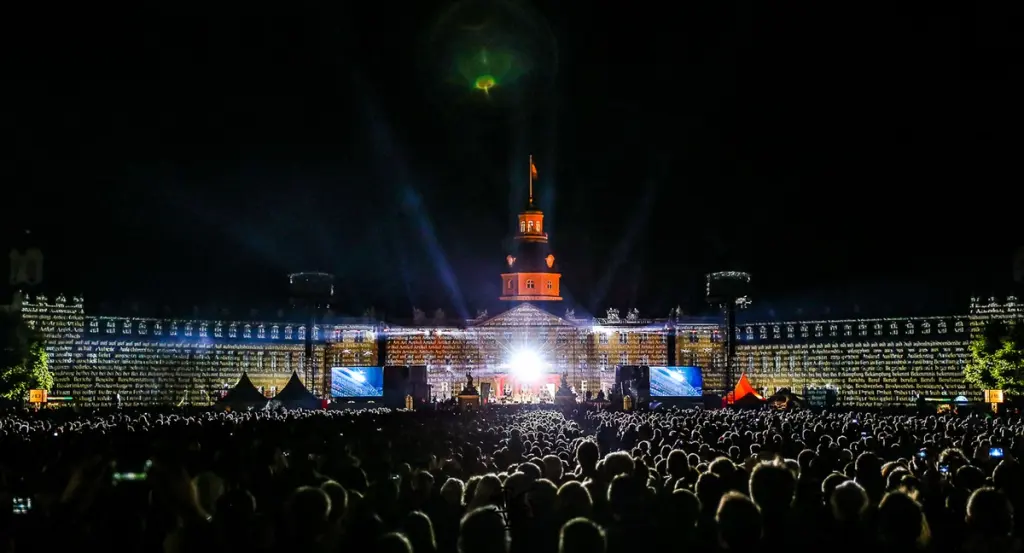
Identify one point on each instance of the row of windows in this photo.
(562, 338)
(288, 332)
(531, 285)
(908, 328)
(793, 361)
(818, 330)
(528, 226)
(895, 328)
(563, 360)
(247, 360)
(694, 336)
(257, 360)
(602, 338)
(642, 337)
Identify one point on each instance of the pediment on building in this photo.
(524, 315)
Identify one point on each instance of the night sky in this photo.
(838, 155)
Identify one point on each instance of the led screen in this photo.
(357, 381)
(676, 382)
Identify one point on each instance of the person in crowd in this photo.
(739, 523)
(483, 531)
(581, 535)
(420, 531)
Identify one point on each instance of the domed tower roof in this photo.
(532, 274)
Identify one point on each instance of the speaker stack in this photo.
(382, 345)
(401, 381)
(635, 381)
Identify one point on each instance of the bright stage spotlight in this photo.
(526, 365)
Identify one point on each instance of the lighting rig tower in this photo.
(312, 292)
(729, 291)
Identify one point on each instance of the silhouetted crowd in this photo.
(509, 480)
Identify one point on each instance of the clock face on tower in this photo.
(550, 260)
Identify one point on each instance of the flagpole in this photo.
(531, 179)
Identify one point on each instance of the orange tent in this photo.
(743, 388)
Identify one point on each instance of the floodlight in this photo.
(526, 365)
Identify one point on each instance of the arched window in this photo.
(529, 284)
(529, 226)
(522, 226)
(508, 284)
(551, 285)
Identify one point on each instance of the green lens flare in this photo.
(485, 83)
(484, 68)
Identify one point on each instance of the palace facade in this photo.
(170, 360)
(147, 360)
(870, 361)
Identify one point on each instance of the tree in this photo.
(23, 361)
(997, 358)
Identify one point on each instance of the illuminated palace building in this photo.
(518, 354)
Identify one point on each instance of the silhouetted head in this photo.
(580, 535)
(849, 502)
(901, 523)
(483, 531)
(739, 523)
(773, 487)
(990, 513)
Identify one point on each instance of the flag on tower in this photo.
(533, 169)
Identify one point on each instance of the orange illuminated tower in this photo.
(532, 274)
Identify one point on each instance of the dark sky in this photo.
(177, 156)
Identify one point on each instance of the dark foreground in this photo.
(520, 480)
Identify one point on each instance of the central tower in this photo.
(532, 274)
